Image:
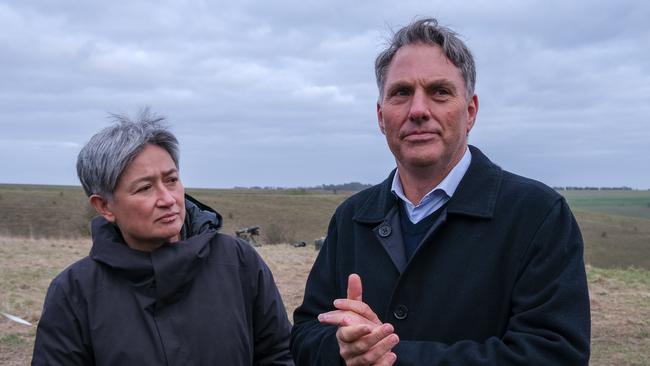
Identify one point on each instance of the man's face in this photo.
(424, 112)
(148, 204)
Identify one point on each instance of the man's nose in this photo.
(419, 109)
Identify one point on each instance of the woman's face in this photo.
(148, 203)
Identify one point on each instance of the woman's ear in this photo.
(102, 207)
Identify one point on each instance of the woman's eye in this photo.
(143, 189)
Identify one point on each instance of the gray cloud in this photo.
(283, 93)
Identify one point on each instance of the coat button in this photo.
(385, 230)
(401, 312)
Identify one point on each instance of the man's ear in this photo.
(380, 119)
(472, 111)
(102, 207)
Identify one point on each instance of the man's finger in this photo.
(373, 354)
(387, 359)
(352, 333)
(358, 307)
(355, 290)
(334, 317)
(342, 318)
(386, 344)
(368, 341)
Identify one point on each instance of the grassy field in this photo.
(285, 216)
(615, 224)
(620, 299)
(44, 228)
(622, 203)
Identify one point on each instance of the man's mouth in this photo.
(420, 136)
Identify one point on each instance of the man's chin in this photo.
(421, 161)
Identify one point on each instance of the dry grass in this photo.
(34, 211)
(620, 313)
(43, 211)
(613, 241)
(26, 268)
(283, 216)
(615, 225)
(620, 299)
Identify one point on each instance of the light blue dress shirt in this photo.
(438, 196)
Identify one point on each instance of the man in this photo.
(451, 260)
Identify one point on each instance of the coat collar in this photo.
(163, 273)
(476, 194)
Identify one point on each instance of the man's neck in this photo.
(418, 181)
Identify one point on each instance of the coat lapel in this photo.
(475, 196)
(389, 234)
(381, 213)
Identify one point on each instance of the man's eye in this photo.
(443, 92)
(402, 92)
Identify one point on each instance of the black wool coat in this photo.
(206, 300)
(498, 280)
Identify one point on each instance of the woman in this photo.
(161, 286)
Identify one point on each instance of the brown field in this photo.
(284, 216)
(620, 299)
(44, 228)
(614, 224)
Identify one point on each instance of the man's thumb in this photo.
(354, 287)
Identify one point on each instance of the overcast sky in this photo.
(282, 93)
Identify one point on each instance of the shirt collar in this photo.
(447, 186)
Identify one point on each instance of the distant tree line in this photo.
(356, 186)
(350, 187)
(344, 187)
(572, 188)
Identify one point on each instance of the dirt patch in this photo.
(620, 299)
(26, 268)
(620, 313)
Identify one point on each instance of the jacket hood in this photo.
(199, 218)
(162, 274)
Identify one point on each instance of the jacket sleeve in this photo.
(271, 326)
(312, 343)
(59, 336)
(550, 321)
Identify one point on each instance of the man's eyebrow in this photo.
(441, 83)
(398, 84)
(429, 85)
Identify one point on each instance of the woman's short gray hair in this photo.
(428, 31)
(103, 159)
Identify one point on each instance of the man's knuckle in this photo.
(357, 347)
(368, 358)
(344, 353)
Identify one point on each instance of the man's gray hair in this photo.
(103, 159)
(428, 31)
